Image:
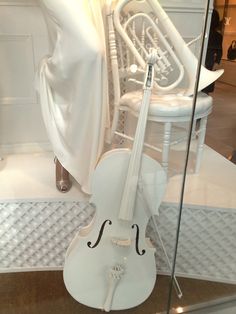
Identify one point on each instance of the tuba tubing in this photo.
(168, 49)
(185, 55)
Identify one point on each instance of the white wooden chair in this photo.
(131, 34)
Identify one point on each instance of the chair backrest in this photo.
(143, 24)
(132, 30)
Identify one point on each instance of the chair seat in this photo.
(169, 105)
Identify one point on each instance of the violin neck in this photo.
(130, 188)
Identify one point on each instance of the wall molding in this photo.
(171, 6)
(25, 148)
(28, 40)
(19, 3)
(5, 101)
(190, 6)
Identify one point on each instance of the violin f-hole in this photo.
(137, 240)
(99, 235)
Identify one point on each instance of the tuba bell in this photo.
(176, 63)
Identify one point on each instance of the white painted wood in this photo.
(131, 183)
(90, 287)
(166, 145)
(17, 62)
(21, 124)
(23, 42)
(201, 140)
(164, 108)
(25, 148)
(18, 3)
(120, 266)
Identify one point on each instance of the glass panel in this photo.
(37, 221)
(205, 264)
(176, 126)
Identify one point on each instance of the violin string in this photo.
(158, 237)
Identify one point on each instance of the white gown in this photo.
(72, 84)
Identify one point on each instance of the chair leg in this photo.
(200, 144)
(115, 120)
(166, 145)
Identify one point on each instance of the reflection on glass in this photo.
(38, 223)
(209, 200)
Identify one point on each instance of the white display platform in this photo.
(37, 222)
(214, 186)
(32, 176)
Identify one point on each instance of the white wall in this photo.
(23, 42)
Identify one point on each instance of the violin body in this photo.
(110, 264)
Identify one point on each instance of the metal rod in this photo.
(187, 156)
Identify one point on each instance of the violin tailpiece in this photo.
(115, 274)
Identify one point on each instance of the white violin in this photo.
(110, 264)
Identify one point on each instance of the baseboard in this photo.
(24, 148)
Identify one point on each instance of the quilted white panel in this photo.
(207, 247)
(35, 235)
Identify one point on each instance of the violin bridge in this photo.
(124, 242)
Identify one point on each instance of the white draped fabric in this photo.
(72, 84)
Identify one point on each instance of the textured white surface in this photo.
(32, 176)
(214, 186)
(207, 248)
(23, 42)
(168, 106)
(37, 233)
(38, 223)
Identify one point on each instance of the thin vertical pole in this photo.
(187, 156)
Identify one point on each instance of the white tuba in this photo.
(174, 54)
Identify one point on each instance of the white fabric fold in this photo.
(73, 86)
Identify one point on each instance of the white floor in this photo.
(32, 176)
(214, 186)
